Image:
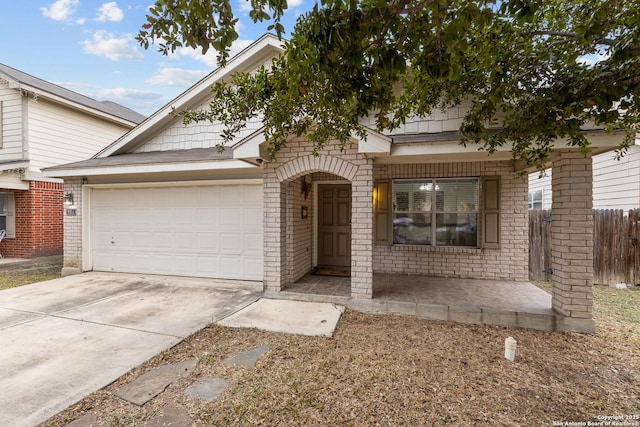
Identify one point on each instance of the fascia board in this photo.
(375, 143)
(144, 169)
(13, 182)
(252, 147)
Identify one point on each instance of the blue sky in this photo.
(88, 46)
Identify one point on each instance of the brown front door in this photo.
(334, 225)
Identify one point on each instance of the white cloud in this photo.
(142, 101)
(176, 77)
(591, 60)
(60, 10)
(294, 3)
(120, 94)
(110, 12)
(244, 5)
(107, 45)
(80, 21)
(239, 45)
(186, 52)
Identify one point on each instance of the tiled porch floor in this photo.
(504, 303)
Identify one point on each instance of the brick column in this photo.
(572, 242)
(362, 233)
(274, 233)
(73, 242)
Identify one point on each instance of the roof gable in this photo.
(267, 47)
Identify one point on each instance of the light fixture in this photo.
(305, 188)
(68, 201)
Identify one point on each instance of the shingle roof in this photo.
(153, 157)
(107, 107)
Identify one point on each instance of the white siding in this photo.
(616, 183)
(59, 135)
(12, 125)
(449, 120)
(437, 121)
(537, 182)
(196, 135)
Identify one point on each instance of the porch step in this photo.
(543, 320)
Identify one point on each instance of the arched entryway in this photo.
(318, 212)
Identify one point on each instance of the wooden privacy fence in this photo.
(616, 250)
(539, 244)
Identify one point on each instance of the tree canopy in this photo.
(532, 71)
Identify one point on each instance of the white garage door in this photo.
(202, 231)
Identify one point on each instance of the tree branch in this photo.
(566, 34)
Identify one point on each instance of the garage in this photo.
(211, 230)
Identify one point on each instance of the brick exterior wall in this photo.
(299, 253)
(287, 240)
(38, 216)
(73, 227)
(572, 240)
(509, 262)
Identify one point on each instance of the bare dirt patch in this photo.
(389, 371)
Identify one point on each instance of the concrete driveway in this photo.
(63, 339)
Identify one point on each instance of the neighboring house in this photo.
(43, 125)
(616, 183)
(163, 200)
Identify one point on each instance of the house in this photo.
(162, 200)
(43, 125)
(616, 183)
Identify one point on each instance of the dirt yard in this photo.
(401, 371)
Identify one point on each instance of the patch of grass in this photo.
(616, 311)
(117, 421)
(621, 304)
(13, 279)
(545, 286)
(381, 370)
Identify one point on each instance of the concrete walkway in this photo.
(489, 302)
(63, 339)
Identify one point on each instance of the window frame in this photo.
(532, 200)
(433, 211)
(3, 214)
(1, 124)
(10, 214)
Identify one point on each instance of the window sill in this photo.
(441, 249)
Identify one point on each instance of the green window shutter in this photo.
(491, 212)
(11, 216)
(382, 211)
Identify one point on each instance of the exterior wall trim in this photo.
(320, 163)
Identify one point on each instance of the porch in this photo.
(474, 301)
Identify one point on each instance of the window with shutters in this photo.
(3, 211)
(436, 212)
(8, 214)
